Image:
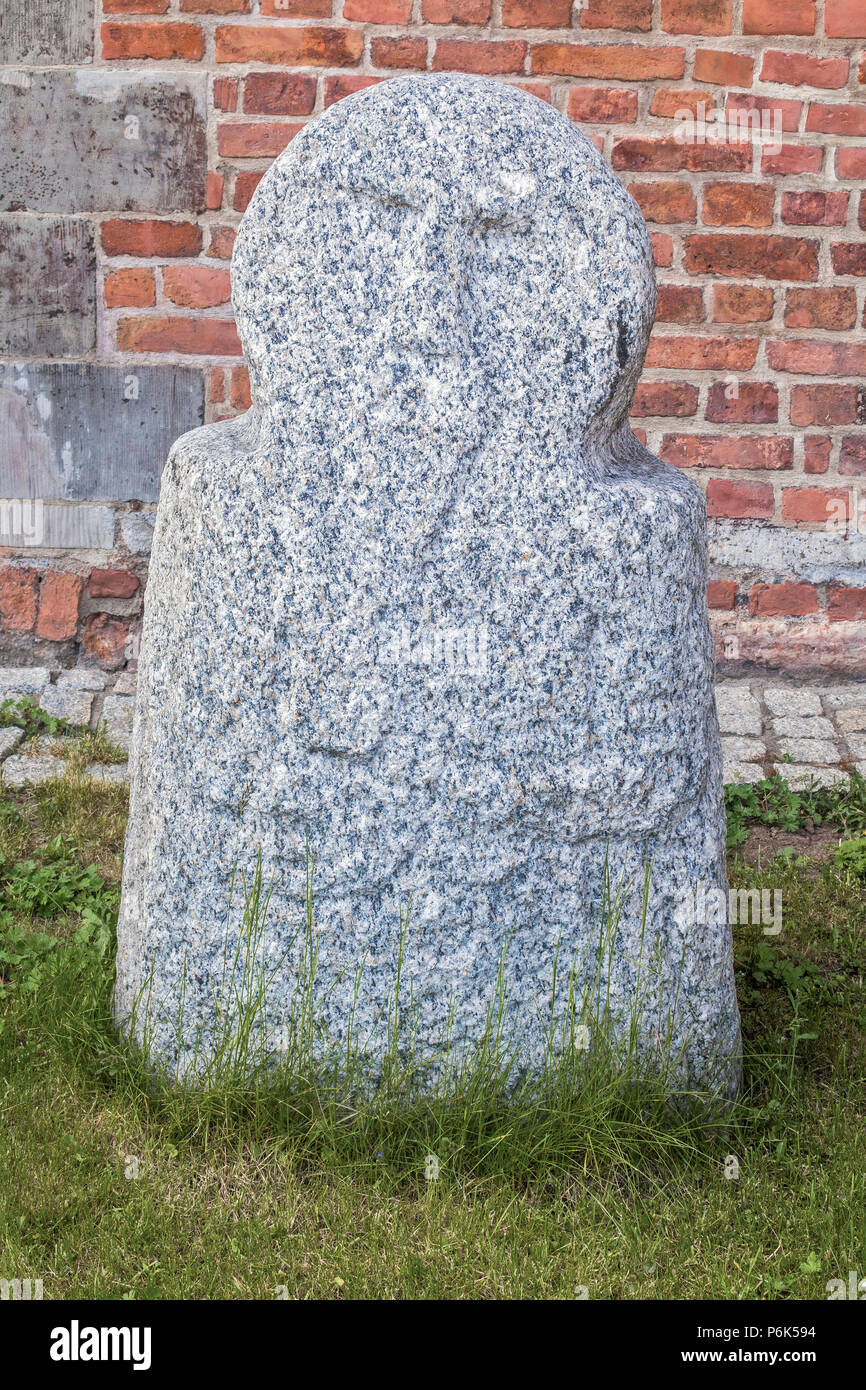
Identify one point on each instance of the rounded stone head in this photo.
(447, 260)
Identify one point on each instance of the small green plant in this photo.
(28, 715)
(773, 802)
(851, 856)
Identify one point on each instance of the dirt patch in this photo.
(764, 842)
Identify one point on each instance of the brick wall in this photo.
(136, 134)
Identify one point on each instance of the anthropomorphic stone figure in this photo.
(432, 609)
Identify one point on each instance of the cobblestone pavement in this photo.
(798, 729)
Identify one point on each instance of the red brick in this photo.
(135, 6)
(674, 101)
(222, 241)
(771, 112)
(721, 593)
(702, 354)
(246, 184)
(810, 504)
(215, 6)
(816, 453)
(623, 60)
(803, 69)
(844, 19)
(459, 55)
(344, 85)
(819, 308)
(861, 213)
(602, 104)
(217, 387)
(58, 605)
(680, 304)
(239, 389)
(846, 605)
(739, 500)
(810, 356)
(847, 118)
(104, 639)
(450, 12)
(789, 600)
(398, 53)
(542, 91)
(697, 16)
(617, 14)
(307, 46)
(383, 11)
(663, 248)
(852, 456)
(861, 72)
(848, 257)
(742, 304)
(121, 237)
(814, 209)
(536, 14)
(19, 589)
(738, 204)
(778, 16)
(156, 41)
(214, 184)
(773, 257)
(755, 403)
(823, 405)
(664, 398)
(196, 286)
(726, 451)
(282, 93)
(725, 69)
(792, 159)
(664, 201)
(112, 584)
(297, 9)
(667, 155)
(201, 337)
(130, 289)
(225, 93)
(254, 139)
(851, 162)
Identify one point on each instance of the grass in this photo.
(111, 1187)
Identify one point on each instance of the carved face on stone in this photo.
(441, 264)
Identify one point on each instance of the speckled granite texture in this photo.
(432, 602)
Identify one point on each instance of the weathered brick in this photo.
(727, 451)
(665, 201)
(667, 155)
(844, 19)
(214, 187)
(849, 258)
(812, 504)
(680, 304)
(824, 405)
(19, 591)
(344, 84)
(664, 398)
(673, 102)
(778, 16)
(792, 159)
(536, 14)
(816, 208)
(773, 257)
(201, 337)
(697, 16)
(851, 162)
(449, 12)
(725, 69)
(133, 288)
(254, 139)
(839, 119)
(104, 640)
(602, 104)
(155, 40)
(743, 402)
(282, 93)
(221, 242)
(737, 204)
(112, 584)
(702, 354)
(771, 113)
(803, 69)
(663, 248)
(817, 358)
(741, 500)
(225, 93)
(246, 184)
(42, 34)
(213, 6)
(846, 605)
(196, 286)
(616, 14)
(47, 286)
(788, 600)
(398, 53)
(820, 308)
(105, 434)
(721, 593)
(631, 61)
(59, 595)
(852, 456)
(239, 389)
(308, 46)
(126, 237)
(297, 9)
(742, 304)
(816, 453)
(464, 55)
